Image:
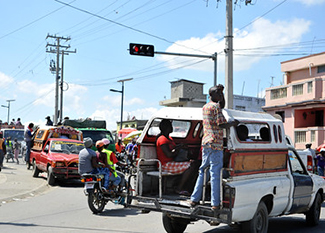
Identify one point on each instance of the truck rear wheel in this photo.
(173, 225)
(259, 223)
(312, 216)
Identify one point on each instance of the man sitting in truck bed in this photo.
(168, 151)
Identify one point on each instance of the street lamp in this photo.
(8, 108)
(122, 99)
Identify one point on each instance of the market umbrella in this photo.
(124, 132)
(131, 135)
(320, 147)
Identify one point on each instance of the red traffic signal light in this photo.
(142, 50)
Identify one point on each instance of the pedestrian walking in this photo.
(2, 150)
(16, 147)
(28, 139)
(321, 162)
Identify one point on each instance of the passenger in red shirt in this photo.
(167, 151)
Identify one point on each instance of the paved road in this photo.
(28, 204)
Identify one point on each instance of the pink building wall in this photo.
(302, 112)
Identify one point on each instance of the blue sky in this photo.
(266, 33)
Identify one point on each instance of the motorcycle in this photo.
(10, 155)
(98, 198)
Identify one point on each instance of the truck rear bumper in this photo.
(181, 208)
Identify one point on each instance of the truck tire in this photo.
(36, 171)
(173, 225)
(50, 176)
(313, 214)
(259, 223)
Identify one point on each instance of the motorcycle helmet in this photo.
(99, 144)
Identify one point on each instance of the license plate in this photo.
(89, 186)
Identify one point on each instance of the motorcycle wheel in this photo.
(96, 201)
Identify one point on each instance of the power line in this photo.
(36, 20)
(123, 25)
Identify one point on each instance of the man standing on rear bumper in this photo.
(212, 143)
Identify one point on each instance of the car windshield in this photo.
(66, 147)
(14, 133)
(97, 135)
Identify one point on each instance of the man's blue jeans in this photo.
(214, 159)
(105, 172)
(28, 145)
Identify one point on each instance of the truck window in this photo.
(40, 134)
(180, 128)
(295, 163)
(275, 133)
(256, 132)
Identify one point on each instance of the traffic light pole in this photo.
(213, 57)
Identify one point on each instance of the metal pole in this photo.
(57, 82)
(215, 68)
(229, 57)
(122, 99)
(61, 87)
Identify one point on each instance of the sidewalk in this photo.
(16, 182)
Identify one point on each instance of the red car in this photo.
(59, 158)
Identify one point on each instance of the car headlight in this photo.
(60, 164)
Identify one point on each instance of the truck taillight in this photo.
(309, 163)
(228, 197)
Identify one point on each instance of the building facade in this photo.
(301, 100)
(185, 93)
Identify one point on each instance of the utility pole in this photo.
(229, 57)
(8, 107)
(58, 49)
(122, 97)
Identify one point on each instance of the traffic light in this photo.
(142, 50)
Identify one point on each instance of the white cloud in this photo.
(5, 80)
(261, 33)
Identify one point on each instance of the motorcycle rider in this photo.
(111, 160)
(88, 162)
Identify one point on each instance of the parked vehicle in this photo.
(262, 176)
(94, 129)
(97, 198)
(56, 151)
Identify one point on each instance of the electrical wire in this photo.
(36, 20)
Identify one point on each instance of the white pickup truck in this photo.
(262, 176)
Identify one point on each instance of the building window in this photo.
(297, 89)
(279, 93)
(241, 108)
(312, 135)
(310, 87)
(300, 136)
(281, 113)
(321, 69)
